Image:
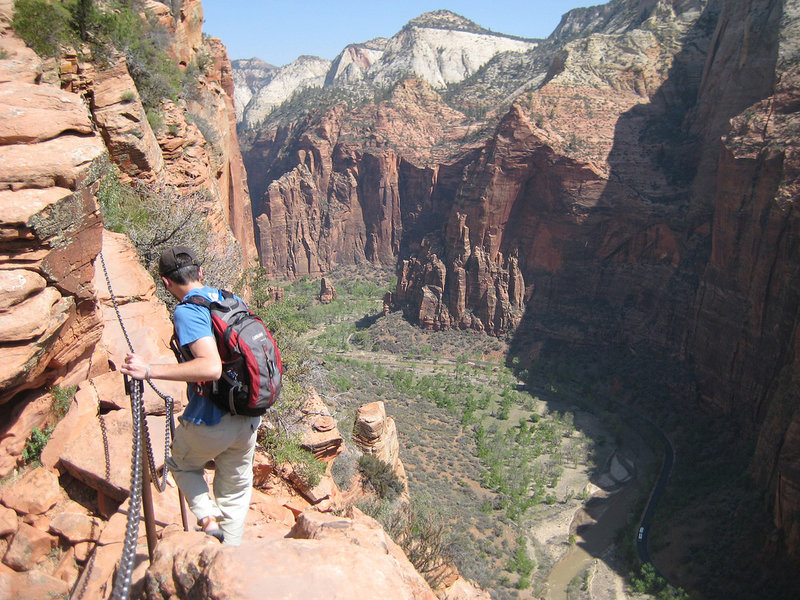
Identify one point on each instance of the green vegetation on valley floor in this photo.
(492, 457)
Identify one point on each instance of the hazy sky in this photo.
(278, 31)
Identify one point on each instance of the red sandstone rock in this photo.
(98, 581)
(34, 113)
(76, 527)
(86, 459)
(29, 318)
(35, 493)
(19, 284)
(32, 410)
(81, 412)
(118, 111)
(318, 430)
(327, 293)
(375, 433)
(59, 162)
(31, 584)
(28, 547)
(145, 318)
(330, 568)
(8, 521)
(461, 589)
(273, 510)
(67, 569)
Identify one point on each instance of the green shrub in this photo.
(32, 451)
(380, 477)
(127, 96)
(420, 531)
(285, 448)
(62, 398)
(155, 119)
(44, 26)
(144, 43)
(156, 216)
(48, 26)
(344, 469)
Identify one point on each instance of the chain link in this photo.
(141, 445)
(161, 483)
(122, 582)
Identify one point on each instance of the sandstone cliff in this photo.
(65, 124)
(629, 182)
(193, 145)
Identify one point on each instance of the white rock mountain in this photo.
(275, 87)
(439, 47)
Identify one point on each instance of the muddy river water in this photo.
(592, 540)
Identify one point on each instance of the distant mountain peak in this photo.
(445, 19)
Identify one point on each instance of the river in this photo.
(592, 541)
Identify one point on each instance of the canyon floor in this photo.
(593, 481)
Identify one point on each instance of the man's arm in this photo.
(205, 366)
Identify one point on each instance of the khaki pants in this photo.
(231, 445)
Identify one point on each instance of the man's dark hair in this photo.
(184, 275)
(180, 265)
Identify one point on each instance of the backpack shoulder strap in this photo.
(199, 300)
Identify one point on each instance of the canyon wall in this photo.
(637, 190)
(65, 122)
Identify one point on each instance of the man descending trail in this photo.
(206, 432)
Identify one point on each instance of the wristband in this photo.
(147, 373)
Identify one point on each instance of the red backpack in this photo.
(252, 372)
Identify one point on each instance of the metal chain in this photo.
(161, 484)
(106, 453)
(87, 573)
(122, 583)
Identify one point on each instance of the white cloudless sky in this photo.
(278, 31)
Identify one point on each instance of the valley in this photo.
(541, 255)
(541, 486)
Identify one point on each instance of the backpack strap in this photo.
(203, 301)
(199, 300)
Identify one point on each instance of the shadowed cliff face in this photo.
(707, 272)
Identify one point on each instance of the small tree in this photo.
(421, 534)
(380, 477)
(45, 26)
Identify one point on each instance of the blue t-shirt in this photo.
(193, 322)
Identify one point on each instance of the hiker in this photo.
(206, 431)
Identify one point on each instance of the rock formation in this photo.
(51, 160)
(279, 85)
(62, 523)
(196, 148)
(321, 557)
(375, 433)
(332, 202)
(249, 76)
(438, 47)
(327, 293)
